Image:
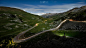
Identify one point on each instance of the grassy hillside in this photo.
(78, 13)
(13, 21)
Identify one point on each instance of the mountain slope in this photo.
(13, 21)
(77, 13)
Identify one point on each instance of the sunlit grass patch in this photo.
(69, 33)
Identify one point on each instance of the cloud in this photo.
(42, 9)
(43, 1)
(80, 2)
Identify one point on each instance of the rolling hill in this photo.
(77, 13)
(14, 21)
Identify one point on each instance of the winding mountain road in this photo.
(17, 40)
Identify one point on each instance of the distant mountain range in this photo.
(47, 15)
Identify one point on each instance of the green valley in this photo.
(14, 21)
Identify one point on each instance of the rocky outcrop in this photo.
(74, 25)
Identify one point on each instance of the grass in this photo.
(29, 19)
(70, 33)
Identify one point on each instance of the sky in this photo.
(40, 7)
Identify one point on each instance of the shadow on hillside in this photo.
(49, 40)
